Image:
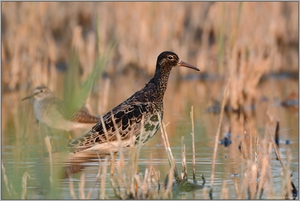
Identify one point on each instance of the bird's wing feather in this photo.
(83, 116)
(124, 120)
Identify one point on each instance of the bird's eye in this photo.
(170, 57)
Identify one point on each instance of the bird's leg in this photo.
(48, 132)
(69, 136)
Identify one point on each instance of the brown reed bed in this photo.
(36, 45)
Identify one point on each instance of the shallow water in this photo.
(23, 147)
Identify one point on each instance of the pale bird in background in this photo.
(52, 111)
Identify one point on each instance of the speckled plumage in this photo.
(126, 118)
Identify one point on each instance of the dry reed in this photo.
(49, 149)
(217, 138)
(5, 179)
(257, 176)
(193, 143)
(24, 185)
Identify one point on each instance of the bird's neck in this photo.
(160, 82)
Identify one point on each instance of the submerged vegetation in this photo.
(247, 54)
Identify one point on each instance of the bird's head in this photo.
(39, 93)
(168, 59)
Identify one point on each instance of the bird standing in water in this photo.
(135, 117)
(52, 112)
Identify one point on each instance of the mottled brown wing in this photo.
(83, 116)
(127, 118)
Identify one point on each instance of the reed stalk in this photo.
(193, 143)
(217, 139)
